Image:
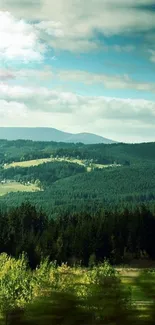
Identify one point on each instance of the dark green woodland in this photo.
(108, 212)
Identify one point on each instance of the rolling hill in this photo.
(50, 134)
(68, 186)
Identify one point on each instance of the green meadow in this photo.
(16, 187)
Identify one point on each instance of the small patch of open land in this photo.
(37, 162)
(17, 187)
(27, 163)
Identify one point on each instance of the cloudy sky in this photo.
(79, 66)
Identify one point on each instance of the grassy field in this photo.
(140, 299)
(105, 166)
(37, 162)
(28, 163)
(17, 187)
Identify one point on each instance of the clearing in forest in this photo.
(17, 187)
(36, 162)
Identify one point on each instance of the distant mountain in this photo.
(49, 134)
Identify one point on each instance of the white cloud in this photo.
(72, 25)
(109, 81)
(19, 40)
(6, 74)
(26, 26)
(11, 110)
(33, 76)
(47, 100)
(21, 93)
(51, 28)
(120, 119)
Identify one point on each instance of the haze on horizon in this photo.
(79, 66)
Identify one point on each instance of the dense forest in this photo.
(55, 243)
(20, 150)
(108, 212)
(46, 173)
(68, 187)
(81, 238)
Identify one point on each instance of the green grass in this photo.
(57, 286)
(16, 187)
(139, 299)
(28, 163)
(37, 162)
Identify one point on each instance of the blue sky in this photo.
(79, 66)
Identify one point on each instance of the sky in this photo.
(79, 66)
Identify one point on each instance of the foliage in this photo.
(106, 299)
(15, 283)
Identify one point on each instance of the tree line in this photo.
(124, 154)
(78, 238)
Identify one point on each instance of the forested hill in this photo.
(91, 199)
(72, 179)
(21, 150)
(81, 191)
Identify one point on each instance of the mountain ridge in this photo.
(50, 134)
